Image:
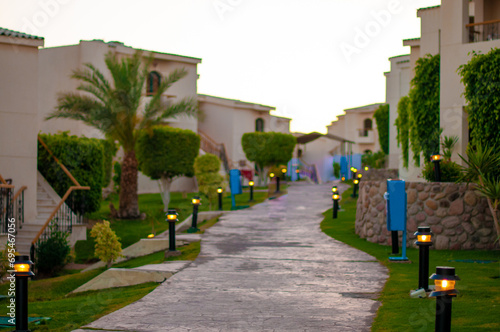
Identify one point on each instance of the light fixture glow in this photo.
(219, 190)
(271, 175)
(356, 181)
(283, 170)
(251, 183)
(22, 267)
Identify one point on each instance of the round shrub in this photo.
(52, 254)
(450, 171)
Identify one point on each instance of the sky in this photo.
(311, 59)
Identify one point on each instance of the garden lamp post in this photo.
(366, 168)
(272, 175)
(354, 171)
(355, 188)
(445, 291)
(335, 198)
(343, 179)
(172, 219)
(283, 171)
(436, 159)
(219, 193)
(251, 184)
(298, 173)
(424, 241)
(194, 222)
(22, 271)
(334, 189)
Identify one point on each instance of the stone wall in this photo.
(382, 174)
(458, 215)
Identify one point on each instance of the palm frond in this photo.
(490, 188)
(186, 106)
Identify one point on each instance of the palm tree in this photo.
(115, 109)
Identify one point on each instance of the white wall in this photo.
(18, 116)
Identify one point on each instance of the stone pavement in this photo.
(267, 268)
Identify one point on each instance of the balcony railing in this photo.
(484, 31)
(365, 136)
(11, 206)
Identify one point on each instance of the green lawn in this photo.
(131, 231)
(48, 297)
(477, 307)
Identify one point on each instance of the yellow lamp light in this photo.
(219, 190)
(172, 215)
(356, 181)
(297, 171)
(435, 157)
(360, 176)
(196, 200)
(21, 267)
(444, 281)
(354, 170)
(366, 168)
(334, 189)
(283, 170)
(424, 236)
(343, 178)
(271, 175)
(150, 236)
(251, 183)
(335, 196)
(444, 285)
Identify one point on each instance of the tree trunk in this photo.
(165, 184)
(129, 205)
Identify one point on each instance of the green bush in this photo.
(381, 116)
(374, 160)
(206, 168)
(117, 176)
(167, 152)
(450, 171)
(424, 114)
(84, 159)
(52, 254)
(403, 124)
(109, 150)
(336, 170)
(268, 149)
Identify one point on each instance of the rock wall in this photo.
(382, 174)
(458, 215)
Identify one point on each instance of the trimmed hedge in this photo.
(84, 158)
(167, 151)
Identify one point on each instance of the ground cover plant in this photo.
(475, 309)
(49, 297)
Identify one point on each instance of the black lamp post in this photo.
(172, 219)
(251, 184)
(194, 222)
(424, 241)
(22, 271)
(335, 198)
(219, 193)
(272, 175)
(355, 188)
(354, 171)
(436, 159)
(445, 291)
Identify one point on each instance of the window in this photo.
(154, 80)
(368, 124)
(259, 125)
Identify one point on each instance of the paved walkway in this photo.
(268, 268)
